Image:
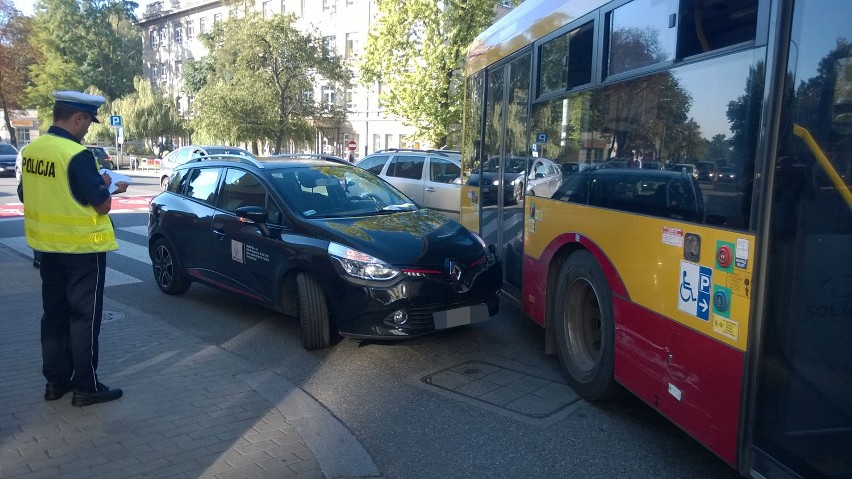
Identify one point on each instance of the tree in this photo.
(147, 114)
(261, 81)
(16, 56)
(415, 51)
(84, 43)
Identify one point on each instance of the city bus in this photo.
(724, 302)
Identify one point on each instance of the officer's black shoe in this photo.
(103, 394)
(54, 391)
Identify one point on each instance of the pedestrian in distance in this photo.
(66, 205)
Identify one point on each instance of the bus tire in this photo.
(584, 328)
(313, 313)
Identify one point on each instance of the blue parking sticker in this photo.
(694, 286)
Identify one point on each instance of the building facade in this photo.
(26, 126)
(171, 29)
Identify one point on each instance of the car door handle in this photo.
(429, 188)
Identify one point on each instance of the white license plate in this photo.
(460, 316)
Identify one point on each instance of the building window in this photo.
(328, 45)
(267, 9)
(349, 3)
(178, 68)
(23, 135)
(164, 72)
(164, 35)
(329, 96)
(190, 30)
(351, 99)
(329, 5)
(178, 34)
(377, 142)
(155, 38)
(217, 19)
(351, 45)
(232, 13)
(202, 25)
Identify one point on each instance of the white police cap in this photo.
(80, 101)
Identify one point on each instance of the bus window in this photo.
(639, 35)
(566, 61)
(706, 25)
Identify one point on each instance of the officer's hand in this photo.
(107, 179)
(120, 187)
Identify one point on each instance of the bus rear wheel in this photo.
(584, 328)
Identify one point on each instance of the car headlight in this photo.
(361, 265)
(495, 182)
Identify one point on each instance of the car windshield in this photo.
(7, 150)
(338, 191)
(513, 164)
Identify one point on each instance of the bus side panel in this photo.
(690, 378)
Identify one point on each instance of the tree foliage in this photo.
(415, 51)
(259, 81)
(84, 43)
(146, 114)
(16, 56)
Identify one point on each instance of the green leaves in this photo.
(416, 51)
(254, 83)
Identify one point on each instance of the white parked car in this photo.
(432, 178)
(189, 152)
(543, 178)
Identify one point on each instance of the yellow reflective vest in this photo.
(53, 219)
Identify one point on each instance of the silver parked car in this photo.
(189, 152)
(432, 178)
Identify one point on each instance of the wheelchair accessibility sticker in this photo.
(694, 290)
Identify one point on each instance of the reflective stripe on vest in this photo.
(53, 219)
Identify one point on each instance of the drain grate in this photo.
(110, 316)
(518, 392)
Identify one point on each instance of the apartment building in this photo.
(171, 28)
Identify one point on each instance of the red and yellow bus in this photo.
(668, 184)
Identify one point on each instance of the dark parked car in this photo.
(322, 240)
(102, 157)
(706, 171)
(8, 153)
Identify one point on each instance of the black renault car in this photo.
(322, 240)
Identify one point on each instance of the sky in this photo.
(25, 6)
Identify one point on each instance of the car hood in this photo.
(420, 238)
(8, 158)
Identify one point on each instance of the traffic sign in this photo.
(352, 145)
(115, 121)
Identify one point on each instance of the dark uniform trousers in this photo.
(72, 295)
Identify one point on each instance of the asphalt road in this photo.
(412, 428)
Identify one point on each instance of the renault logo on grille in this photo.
(455, 271)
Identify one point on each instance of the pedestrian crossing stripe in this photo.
(114, 277)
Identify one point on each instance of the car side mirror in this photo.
(254, 214)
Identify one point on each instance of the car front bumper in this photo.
(420, 304)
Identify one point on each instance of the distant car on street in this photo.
(322, 240)
(8, 153)
(102, 157)
(706, 171)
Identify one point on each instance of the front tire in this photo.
(164, 182)
(313, 313)
(167, 272)
(585, 329)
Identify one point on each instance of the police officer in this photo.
(66, 201)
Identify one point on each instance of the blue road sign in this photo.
(115, 121)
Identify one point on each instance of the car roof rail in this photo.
(227, 157)
(417, 150)
(318, 156)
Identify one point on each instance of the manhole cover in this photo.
(110, 316)
(515, 391)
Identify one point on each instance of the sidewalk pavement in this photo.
(190, 409)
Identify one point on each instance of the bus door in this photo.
(803, 408)
(504, 163)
